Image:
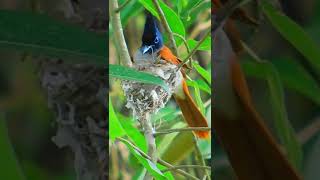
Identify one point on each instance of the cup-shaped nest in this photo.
(145, 98)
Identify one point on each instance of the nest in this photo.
(145, 98)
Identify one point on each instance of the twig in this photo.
(186, 45)
(199, 156)
(162, 162)
(150, 139)
(166, 27)
(122, 6)
(194, 49)
(168, 131)
(118, 32)
(187, 166)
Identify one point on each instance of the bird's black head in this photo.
(151, 39)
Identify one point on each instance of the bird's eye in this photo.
(156, 40)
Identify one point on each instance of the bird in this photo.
(153, 47)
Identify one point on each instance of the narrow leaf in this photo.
(150, 166)
(295, 77)
(133, 133)
(115, 128)
(126, 73)
(39, 34)
(293, 33)
(205, 46)
(204, 73)
(283, 126)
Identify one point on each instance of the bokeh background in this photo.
(303, 110)
(28, 126)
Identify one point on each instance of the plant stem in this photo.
(195, 49)
(118, 32)
(187, 166)
(168, 131)
(166, 27)
(122, 6)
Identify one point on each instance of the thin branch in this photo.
(187, 166)
(162, 162)
(166, 27)
(168, 131)
(200, 157)
(194, 49)
(118, 32)
(186, 45)
(122, 6)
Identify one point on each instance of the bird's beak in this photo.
(145, 49)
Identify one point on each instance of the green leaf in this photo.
(166, 113)
(295, 77)
(132, 9)
(39, 34)
(197, 96)
(167, 174)
(172, 18)
(205, 46)
(133, 133)
(204, 73)
(201, 84)
(9, 166)
(150, 166)
(283, 127)
(126, 73)
(293, 33)
(115, 128)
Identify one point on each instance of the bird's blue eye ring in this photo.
(156, 40)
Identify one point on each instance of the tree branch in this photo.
(118, 32)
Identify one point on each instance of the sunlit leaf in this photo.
(133, 133)
(204, 73)
(126, 73)
(201, 84)
(115, 128)
(205, 46)
(197, 96)
(150, 166)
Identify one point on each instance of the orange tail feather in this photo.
(190, 111)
